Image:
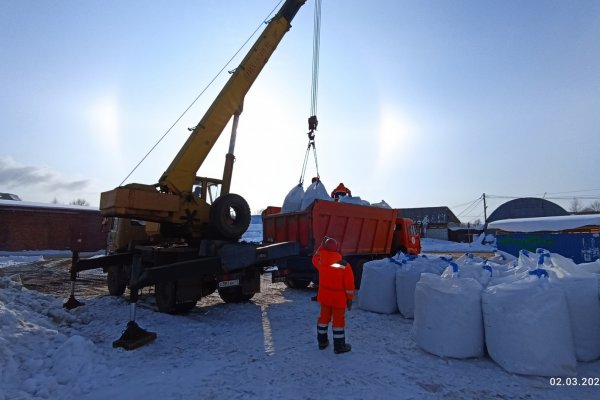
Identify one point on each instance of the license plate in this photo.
(233, 282)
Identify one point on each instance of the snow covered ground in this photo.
(263, 349)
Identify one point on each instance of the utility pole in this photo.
(484, 215)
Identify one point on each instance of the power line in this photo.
(470, 207)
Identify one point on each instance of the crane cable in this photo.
(312, 120)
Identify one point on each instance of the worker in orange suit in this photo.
(340, 191)
(336, 291)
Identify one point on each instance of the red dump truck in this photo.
(364, 232)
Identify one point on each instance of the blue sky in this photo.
(421, 103)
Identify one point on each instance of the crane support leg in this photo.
(72, 302)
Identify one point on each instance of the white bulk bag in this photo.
(407, 277)
(378, 287)
(593, 267)
(316, 191)
(448, 320)
(501, 257)
(581, 291)
(527, 329)
(476, 270)
(293, 200)
(353, 200)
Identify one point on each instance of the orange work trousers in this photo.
(338, 315)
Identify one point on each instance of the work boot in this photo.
(322, 336)
(339, 342)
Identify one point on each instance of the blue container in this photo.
(580, 247)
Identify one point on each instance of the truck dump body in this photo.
(34, 226)
(359, 229)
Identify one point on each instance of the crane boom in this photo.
(180, 175)
(172, 200)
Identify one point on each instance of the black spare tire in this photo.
(230, 215)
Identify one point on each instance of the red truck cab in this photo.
(406, 237)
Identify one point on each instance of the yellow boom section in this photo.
(179, 176)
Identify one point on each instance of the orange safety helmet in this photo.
(329, 244)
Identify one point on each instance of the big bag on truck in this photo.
(448, 320)
(316, 191)
(293, 200)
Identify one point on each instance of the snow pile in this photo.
(7, 261)
(437, 245)
(36, 342)
(236, 351)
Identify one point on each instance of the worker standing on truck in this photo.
(340, 191)
(336, 291)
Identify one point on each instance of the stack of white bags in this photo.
(388, 285)
(538, 314)
(298, 200)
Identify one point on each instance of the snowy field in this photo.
(263, 349)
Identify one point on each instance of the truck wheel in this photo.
(357, 270)
(297, 283)
(165, 294)
(234, 295)
(230, 215)
(185, 307)
(116, 286)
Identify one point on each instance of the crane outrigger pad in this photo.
(134, 337)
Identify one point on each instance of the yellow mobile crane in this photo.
(171, 202)
(195, 247)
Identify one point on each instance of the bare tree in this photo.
(593, 208)
(575, 205)
(79, 202)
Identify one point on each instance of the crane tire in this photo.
(116, 286)
(165, 294)
(221, 219)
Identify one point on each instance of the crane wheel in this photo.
(230, 216)
(114, 281)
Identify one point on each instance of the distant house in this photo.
(464, 234)
(433, 222)
(9, 196)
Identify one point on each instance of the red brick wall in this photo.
(48, 228)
